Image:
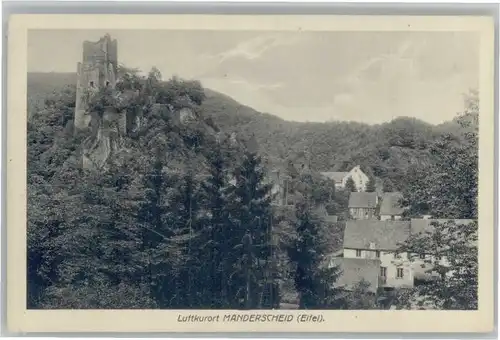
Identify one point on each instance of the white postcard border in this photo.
(19, 319)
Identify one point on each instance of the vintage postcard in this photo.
(197, 173)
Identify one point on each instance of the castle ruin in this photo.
(98, 69)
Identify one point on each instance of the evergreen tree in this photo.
(218, 231)
(370, 186)
(350, 186)
(250, 218)
(158, 221)
(190, 224)
(388, 186)
(314, 279)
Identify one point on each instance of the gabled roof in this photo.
(363, 200)
(353, 270)
(384, 235)
(390, 204)
(419, 225)
(334, 176)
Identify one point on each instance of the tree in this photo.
(155, 222)
(453, 275)
(350, 185)
(448, 187)
(323, 191)
(217, 234)
(250, 218)
(360, 297)
(192, 226)
(313, 278)
(388, 186)
(370, 186)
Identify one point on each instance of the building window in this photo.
(91, 84)
(383, 271)
(397, 256)
(107, 82)
(358, 253)
(377, 254)
(399, 273)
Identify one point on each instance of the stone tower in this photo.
(97, 69)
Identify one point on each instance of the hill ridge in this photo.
(385, 150)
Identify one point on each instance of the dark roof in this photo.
(334, 176)
(419, 225)
(385, 235)
(363, 200)
(353, 271)
(390, 204)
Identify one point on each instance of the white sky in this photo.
(370, 77)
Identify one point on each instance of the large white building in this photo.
(373, 239)
(377, 242)
(340, 178)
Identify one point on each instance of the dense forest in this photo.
(181, 216)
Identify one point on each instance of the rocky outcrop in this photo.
(108, 134)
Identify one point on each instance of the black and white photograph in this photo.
(248, 170)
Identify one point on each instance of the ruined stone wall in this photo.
(103, 51)
(97, 69)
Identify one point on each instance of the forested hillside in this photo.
(179, 217)
(386, 151)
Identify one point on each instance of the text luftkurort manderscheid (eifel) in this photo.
(253, 317)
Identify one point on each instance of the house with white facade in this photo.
(390, 206)
(368, 240)
(340, 178)
(380, 240)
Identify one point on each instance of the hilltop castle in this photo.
(97, 70)
(109, 123)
